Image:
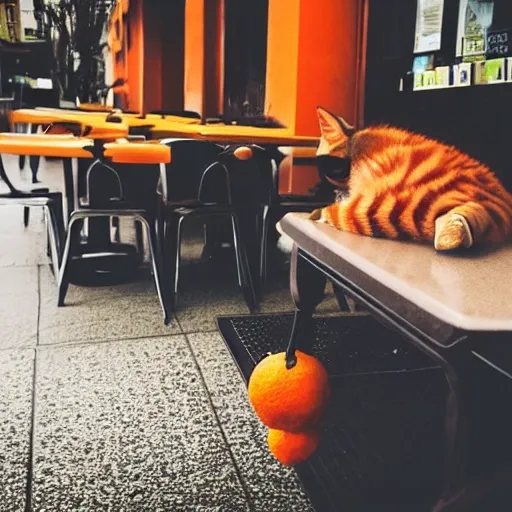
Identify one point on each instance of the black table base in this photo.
(108, 264)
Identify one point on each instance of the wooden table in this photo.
(47, 115)
(455, 308)
(233, 134)
(93, 125)
(162, 127)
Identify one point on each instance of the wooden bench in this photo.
(455, 308)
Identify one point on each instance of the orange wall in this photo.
(153, 57)
(312, 58)
(204, 44)
(172, 18)
(328, 61)
(282, 60)
(213, 58)
(135, 56)
(153, 63)
(163, 55)
(194, 55)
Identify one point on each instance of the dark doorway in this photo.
(245, 57)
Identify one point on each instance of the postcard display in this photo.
(482, 55)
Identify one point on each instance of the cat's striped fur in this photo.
(406, 186)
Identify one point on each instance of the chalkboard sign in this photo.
(499, 43)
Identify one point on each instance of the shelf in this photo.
(438, 87)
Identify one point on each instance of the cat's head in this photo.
(333, 154)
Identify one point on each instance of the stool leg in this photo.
(34, 167)
(26, 216)
(264, 245)
(53, 239)
(156, 262)
(139, 237)
(72, 238)
(177, 259)
(34, 160)
(243, 266)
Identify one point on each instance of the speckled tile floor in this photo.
(104, 408)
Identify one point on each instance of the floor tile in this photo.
(16, 370)
(203, 297)
(128, 426)
(204, 318)
(277, 297)
(206, 291)
(19, 304)
(100, 314)
(20, 246)
(271, 486)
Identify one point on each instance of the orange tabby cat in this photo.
(404, 185)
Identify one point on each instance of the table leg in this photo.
(479, 452)
(307, 287)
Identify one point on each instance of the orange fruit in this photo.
(290, 448)
(291, 400)
(243, 153)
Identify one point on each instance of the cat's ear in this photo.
(335, 131)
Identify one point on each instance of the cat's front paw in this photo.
(452, 232)
(316, 215)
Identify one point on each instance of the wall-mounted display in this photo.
(429, 23)
(480, 76)
(462, 74)
(499, 43)
(423, 63)
(443, 76)
(475, 18)
(495, 71)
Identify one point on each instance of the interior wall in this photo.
(282, 60)
(194, 55)
(134, 55)
(213, 57)
(163, 54)
(153, 55)
(312, 59)
(327, 71)
(172, 19)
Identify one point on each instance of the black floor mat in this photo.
(383, 437)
